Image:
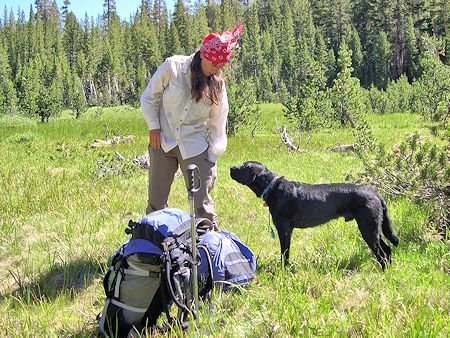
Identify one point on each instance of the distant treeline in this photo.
(55, 60)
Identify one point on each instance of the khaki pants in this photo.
(163, 167)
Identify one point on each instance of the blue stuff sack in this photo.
(233, 263)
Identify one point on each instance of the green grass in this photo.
(60, 221)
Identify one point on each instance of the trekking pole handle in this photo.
(193, 175)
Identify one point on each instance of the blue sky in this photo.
(80, 7)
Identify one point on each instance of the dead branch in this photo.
(143, 161)
(287, 140)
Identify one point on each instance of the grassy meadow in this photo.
(62, 216)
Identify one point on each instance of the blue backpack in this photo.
(152, 270)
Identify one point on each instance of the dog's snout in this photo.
(234, 172)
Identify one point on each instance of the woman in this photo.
(186, 107)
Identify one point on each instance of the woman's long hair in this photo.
(209, 87)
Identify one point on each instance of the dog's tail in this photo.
(386, 226)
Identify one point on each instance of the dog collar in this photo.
(269, 186)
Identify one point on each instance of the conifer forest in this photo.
(298, 52)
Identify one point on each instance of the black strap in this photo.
(117, 264)
(165, 300)
(145, 231)
(115, 324)
(210, 281)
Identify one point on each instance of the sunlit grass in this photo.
(60, 221)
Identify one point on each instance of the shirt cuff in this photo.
(212, 158)
(152, 125)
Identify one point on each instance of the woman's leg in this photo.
(161, 173)
(204, 205)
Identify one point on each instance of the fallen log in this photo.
(113, 141)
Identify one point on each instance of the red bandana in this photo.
(217, 47)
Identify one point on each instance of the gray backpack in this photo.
(151, 271)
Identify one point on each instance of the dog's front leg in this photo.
(284, 234)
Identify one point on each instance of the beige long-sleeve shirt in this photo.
(192, 126)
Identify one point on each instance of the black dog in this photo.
(300, 205)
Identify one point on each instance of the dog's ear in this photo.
(251, 177)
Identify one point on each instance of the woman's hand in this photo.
(154, 138)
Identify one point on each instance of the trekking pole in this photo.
(193, 186)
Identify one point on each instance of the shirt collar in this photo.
(186, 67)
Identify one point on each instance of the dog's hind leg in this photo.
(370, 232)
(386, 250)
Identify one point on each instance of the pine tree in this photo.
(419, 171)
(161, 21)
(354, 43)
(411, 52)
(253, 64)
(287, 49)
(433, 85)
(146, 8)
(200, 23)
(397, 36)
(175, 47)
(348, 104)
(9, 34)
(274, 61)
(440, 18)
(182, 24)
(369, 18)
(8, 98)
(146, 38)
(43, 8)
(93, 57)
(77, 96)
(335, 18)
(320, 51)
(330, 67)
(382, 60)
(227, 15)
(72, 38)
(109, 11)
(213, 15)
(29, 86)
(65, 9)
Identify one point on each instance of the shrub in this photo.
(243, 110)
(399, 96)
(22, 138)
(377, 100)
(432, 87)
(416, 170)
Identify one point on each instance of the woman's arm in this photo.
(151, 97)
(217, 124)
